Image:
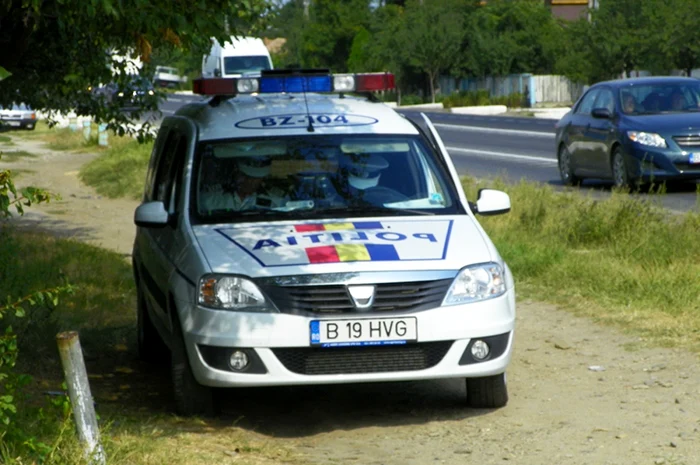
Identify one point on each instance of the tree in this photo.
(431, 36)
(619, 32)
(324, 38)
(56, 49)
(675, 33)
(380, 48)
(506, 37)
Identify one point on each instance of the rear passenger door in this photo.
(578, 142)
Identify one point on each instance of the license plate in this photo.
(365, 332)
(695, 157)
(13, 123)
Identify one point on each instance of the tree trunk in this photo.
(431, 78)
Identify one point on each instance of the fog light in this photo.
(238, 360)
(480, 350)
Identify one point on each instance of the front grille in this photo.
(687, 141)
(355, 360)
(335, 299)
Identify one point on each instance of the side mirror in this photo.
(151, 215)
(492, 202)
(601, 113)
(217, 72)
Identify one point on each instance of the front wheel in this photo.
(565, 170)
(151, 347)
(191, 398)
(487, 392)
(619, 169)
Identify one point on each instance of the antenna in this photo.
(310, 127)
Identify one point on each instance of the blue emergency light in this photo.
(294, 81)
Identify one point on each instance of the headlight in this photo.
(121, 94)
(475, 283)
(647, 138)
(150, 92)
(231, 293)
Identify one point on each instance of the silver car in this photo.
(18, 116)
(296, 238)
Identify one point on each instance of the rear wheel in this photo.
(191, 398)
(565, 171)
(487, 392)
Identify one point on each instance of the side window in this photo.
(586, 105)
(153, 161)
(167, 182)
(605, 99)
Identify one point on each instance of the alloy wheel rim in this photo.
(564, 164)
(619, 170)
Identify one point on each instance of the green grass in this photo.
(120, 171)
(620, 261)
(6, 140)
(132, 398)
(15, 156)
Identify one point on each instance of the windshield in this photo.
(311, 176)
(660, 98)
(245, 64)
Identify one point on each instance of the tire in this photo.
(565, 172)
(619, 169)
(191, 398)
(150, 345)
(487, 392)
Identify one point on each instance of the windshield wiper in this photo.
(364, 209)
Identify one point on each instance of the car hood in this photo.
(348, 245)
(665, 122)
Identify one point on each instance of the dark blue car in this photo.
(632, 131)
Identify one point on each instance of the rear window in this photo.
(315, 175)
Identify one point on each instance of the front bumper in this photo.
(279, 348)
(17, 122)
(656, 164)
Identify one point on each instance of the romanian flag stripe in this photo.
(351, 253)
(313, 227)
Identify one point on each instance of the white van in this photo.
(238, 56)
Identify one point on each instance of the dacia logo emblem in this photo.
(362, 296)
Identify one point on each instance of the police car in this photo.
(294, 230)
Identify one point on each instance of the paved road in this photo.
(510, 147)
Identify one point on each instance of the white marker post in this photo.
(80, 396)
(102, 134)
(87, 128)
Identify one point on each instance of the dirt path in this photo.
(580, 393)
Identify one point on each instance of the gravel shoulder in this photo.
(580, 393)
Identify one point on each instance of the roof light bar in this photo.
(295, 81)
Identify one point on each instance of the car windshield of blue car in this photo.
(312, 176)
(672, 97)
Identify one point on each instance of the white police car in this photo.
(293, 234)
